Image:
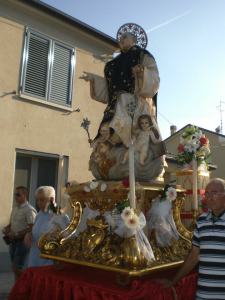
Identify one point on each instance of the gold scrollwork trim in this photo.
(183, 231)
(52, 240)
(72, 227)
(128, 272)
(189, 172)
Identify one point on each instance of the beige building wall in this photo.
(29, 125)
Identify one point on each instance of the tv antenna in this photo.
(221, 110)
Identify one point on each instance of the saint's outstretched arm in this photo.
(98, 87)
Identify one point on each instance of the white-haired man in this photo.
(208, 246)
(45, 197)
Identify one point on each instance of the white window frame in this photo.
(45, 100)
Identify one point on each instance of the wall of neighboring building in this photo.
(33, 126)
(217, 146)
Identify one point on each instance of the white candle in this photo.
(60, 180)
(132, 176)
(195, 184)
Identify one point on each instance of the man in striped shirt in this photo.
(208, 246)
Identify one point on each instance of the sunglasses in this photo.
(17, 195)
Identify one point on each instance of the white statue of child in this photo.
(145, 135)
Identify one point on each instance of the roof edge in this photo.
(69, 19)
(201, 128)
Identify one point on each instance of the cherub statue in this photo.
(146, 136)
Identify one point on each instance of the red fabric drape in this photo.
(80, 283)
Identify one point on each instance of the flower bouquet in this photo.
(194, 145)
(129, 223)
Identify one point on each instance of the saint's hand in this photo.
(138, 69)
(87, 76)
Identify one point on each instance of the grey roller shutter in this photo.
(36, 74)
(47, 69)
(60, 82)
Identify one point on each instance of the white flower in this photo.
(127, 212)
(132, 222)
(93, 185)
(103, 187)
(199, 134)
(192, 147)
(171, 194)
(87, 189)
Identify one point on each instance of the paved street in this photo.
(6, 283)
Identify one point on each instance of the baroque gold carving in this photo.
(183, 231)
(99, 247)
(52, 240)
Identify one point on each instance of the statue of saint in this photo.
(129, 89)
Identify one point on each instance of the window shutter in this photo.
(47, 70)
(36, 73)
(60, 82)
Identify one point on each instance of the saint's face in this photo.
(126, 42)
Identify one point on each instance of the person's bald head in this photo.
(219, 182)
(215, 195)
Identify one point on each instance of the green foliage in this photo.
(120, 206)
(185, 157)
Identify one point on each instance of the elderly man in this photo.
(208, 246)
(21, 221)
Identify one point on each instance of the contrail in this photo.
(168, 22)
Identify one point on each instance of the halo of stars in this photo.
(137, 31)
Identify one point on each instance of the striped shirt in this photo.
(209, 236)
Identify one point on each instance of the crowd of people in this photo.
(27, 225)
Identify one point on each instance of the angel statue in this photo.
(131, 79)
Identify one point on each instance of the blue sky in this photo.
(187, 39)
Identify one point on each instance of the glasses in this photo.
(17, 195)
(213, 193)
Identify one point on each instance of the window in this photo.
(47, 69)
(34, 169)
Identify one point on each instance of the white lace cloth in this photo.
(160, 218)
